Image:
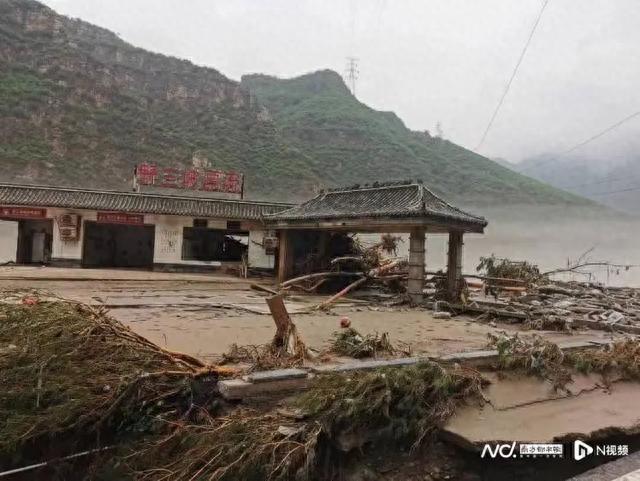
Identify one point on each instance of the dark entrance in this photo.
(117, 245)
(34, 241)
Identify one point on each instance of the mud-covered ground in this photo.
(203, 315)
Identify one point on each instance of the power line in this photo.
(583, 143)
(601, 181)
(352, 74)
(513, 75)
(615, 191)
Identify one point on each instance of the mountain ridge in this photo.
(81, 107)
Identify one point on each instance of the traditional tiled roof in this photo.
(393, 199)
(144, 203)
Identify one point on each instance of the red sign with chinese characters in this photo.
(190, 179)
(23, 213)
(120, 218)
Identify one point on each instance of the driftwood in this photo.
(317, 275)
(475, 308)
(482, 278)
(337, 260)
(555, 289)
(342, 293)
(376, 273)
(258, 287)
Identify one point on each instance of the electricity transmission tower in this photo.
(352, 73)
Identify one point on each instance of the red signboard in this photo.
(120, 218)
(23, 213)
(190, 179)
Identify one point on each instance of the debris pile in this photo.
(363, 266)
(260, 357)
(563, 305)
(542, 358)
(245, 444)
(403, 404)
(496, 268)
(337, 414)
(535, 356)
(72, 376)
(621, 359)
(287, 349)
(349, 342)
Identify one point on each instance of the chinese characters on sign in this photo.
(23, 213)
(120, 218)
(190, 179)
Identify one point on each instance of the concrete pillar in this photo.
(416, 264)
(285, 256)
(454, 267)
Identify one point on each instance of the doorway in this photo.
(34, 241)
(118, 245)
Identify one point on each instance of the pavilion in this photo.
(395, 207)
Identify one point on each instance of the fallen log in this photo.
(337, 260)
(316, 275)
(557, 290)
(488, 310)
(482, 278)
(258, 287)
(342, 293)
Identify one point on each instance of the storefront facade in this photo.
(87, 228)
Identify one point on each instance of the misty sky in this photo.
(427, 60)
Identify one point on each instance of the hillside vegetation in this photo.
(81, 107)
(348, 142)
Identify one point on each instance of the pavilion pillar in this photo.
(454, 266)
(285, 256)
(416, 265)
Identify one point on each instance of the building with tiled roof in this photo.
(404, 207)
(404, 202)
(97, 228)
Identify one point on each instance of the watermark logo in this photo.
(499, 450)
(581, 450)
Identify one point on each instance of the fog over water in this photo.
(548, 242)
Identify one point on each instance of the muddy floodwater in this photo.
(549, 240)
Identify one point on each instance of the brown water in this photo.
(549, 240)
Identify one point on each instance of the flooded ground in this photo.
(203, 315)
(549, 240)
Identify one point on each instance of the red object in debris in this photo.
(29, 301)
(345, 322)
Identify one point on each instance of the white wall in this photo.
(167, 244)
(66, 249)
(257, 255)
(8, 240)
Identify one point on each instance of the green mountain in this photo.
(349, 142)
(81, 107)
